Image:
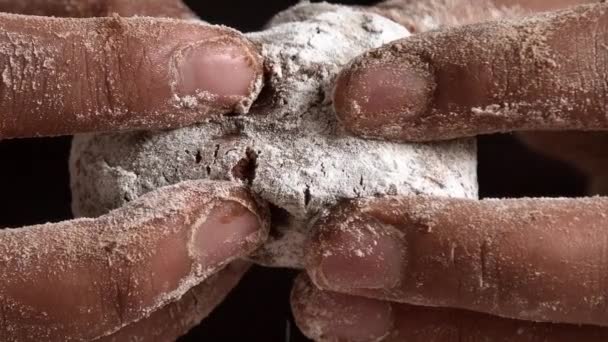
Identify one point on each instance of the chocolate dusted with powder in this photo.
(290, 150)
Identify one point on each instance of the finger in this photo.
(65, 76)
(151, 8)
(585, 150)
(420, 16)
(175, 319)
(543, 72)
(540, 5)
(598, 185)
(89, 277)
(327, 316)
(532, 259)
(98, 8)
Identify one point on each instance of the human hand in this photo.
(153, 269)
(89, 278)
(531, 259)
(536, 260)
(584, 150)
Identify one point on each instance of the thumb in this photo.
(87, 278)
(544, 72)
(98, 8)
(66, 76)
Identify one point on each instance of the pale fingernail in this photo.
(328, 316)
(221, 68)
(370, 95)
(358, 319)
(365, 257)
(230, 230)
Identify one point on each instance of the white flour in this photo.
(289, 149)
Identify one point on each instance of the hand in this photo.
(155, 268)
(535, 260)
(89, 278)
(513, 262)
(584, 150)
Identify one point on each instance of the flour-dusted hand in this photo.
(488, 268)
(177, 318)
(87, 278)
(65, 76)
(99, 8)
(330, 316)
(532, 259)
(583, 149)
(539, 72)
(156, 267)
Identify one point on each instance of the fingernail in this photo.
(219, 68)
(229, 230)
(329, 316)
(370, 96)
(358, 319)
(368, 256)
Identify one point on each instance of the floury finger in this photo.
(88, 278)
(332, 317)
(530, 259)
(539, 72)
(66, 76)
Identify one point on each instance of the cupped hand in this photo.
(155, 268)
(439, 269)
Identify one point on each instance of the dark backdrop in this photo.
(34, 188)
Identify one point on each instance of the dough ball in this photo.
(290, 149)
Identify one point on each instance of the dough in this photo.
(290, 149)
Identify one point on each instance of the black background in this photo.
(34, 183)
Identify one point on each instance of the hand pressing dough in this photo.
(289, 149)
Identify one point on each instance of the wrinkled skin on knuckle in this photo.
(119, 292)
(22, 78)
(117, 82)
(130, 75)
(583, 59)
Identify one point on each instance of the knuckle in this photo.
(118, 286)
(108, 86)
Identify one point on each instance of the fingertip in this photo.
(360, 255)
(327, 316)
(229, 230)
(226, 71)
(372, 97)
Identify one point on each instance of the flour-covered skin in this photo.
(289, 149)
